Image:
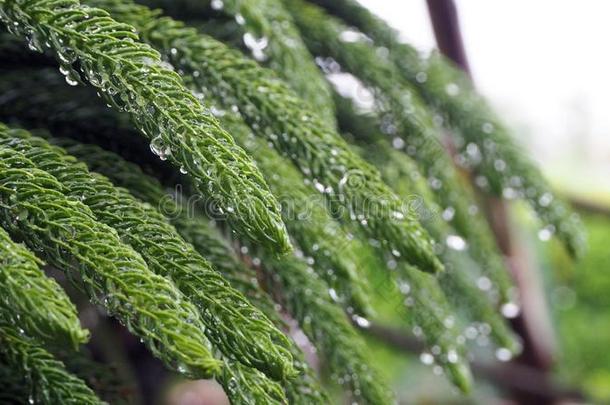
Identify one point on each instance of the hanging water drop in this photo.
(362, 322)
(456, 242)
(452, 356)
(452, 89)
(546, 233)
(426, 358)
(503, 354)
(484, 283)
(510, 310)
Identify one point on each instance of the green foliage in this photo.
(41, 378)
(307, 299)
(196, 229)
(352, 186)
(33, 301)
(459, 281)
(400, 172)
(238, 329)
(406, 123)
(66, 233)
(303, 209)
(132, 78)
(306, 217)
(380, 200)
(267, 31)
(484, 143)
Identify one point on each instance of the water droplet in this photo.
(421, 77)
(510, 310)
(452, 356)
(404, 287)
(351, 36)
(546, 233)
(398, 215)
(70, 80)
(503, 354)
(426, 358)
(239, 19)
(484, 283)
(435, 183)
(452, 89)
(471, 332)
(362, 322)
(398, 143)
(256, 45)
(448, 213)
(545, 199)
(487, 127)
(509, 193)
(456, 242)
(499, 165)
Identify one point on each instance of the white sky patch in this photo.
(544, 64)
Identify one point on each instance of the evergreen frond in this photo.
(268, 33)
(35, 376)
(405, 123)
(32, 301)
(234, 326)
(405, 178)
(304, 212)
(67, 235)
(460, 280)
(307, 299)
(304, 389)
(90, 46)
(303, 209)
(353, 187)
(484, 142)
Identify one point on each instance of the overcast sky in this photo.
(545, 64)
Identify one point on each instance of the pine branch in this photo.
(245, 385)
(234, 326)
(432, 314)
(353, 187)
(42, 379)
(464, 276)
(402, 176)
(267, 31)
(306, 297)
(32, 301)
(66, 234)
(306, 217)
(132, 78)
(407, 123)
(459, 282)
(485, 144)
(197, 230)
(303, 210)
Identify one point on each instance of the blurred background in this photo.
(543, 66)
